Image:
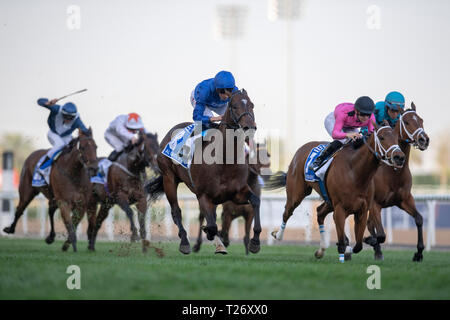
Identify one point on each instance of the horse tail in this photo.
(276, 181)
(155, 188)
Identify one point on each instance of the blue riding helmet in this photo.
(69, 109)
(395, 100)
(224, 80)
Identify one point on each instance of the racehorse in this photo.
(125, 187)
(214, 183)
(393, 188)
(70, 185)
(348, 182)
(231, 211)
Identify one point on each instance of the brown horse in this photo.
(125, 179)
(348, 181)
(213, 183)
(231, 211)
(393, 188)
(70, 185)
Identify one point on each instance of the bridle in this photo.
(410, 135)
(236, 119)
(379, 151)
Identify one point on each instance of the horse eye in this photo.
(381, 138)
(406, 122)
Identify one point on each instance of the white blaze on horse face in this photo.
(244, 101)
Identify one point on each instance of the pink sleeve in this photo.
(338, 126)
(370, 127)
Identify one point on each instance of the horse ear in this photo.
(385, 122)
(244, 91)
(413, 106)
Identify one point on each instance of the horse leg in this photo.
(102, 214)
(294, 198)
(72, 236)
(246, 195)
(360, 227)
(142, 210)
(52, 206)
(77, 215)
(410, 207)
(201, 218)
(375, 227)
(27, 194)
(248, 225)
(170, 189)
(322, 211)
(210, 229)
(227, 218)
(91, 212)
(122, 201)
(339, 217)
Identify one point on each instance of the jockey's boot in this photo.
(328, 151)
(44, 163)
(113, 156)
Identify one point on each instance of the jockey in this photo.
(121, 131)
(390, 108)
(212, 95)
(62, 122)
(343, 124)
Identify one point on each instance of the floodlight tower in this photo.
(230, 27)
(289, 11)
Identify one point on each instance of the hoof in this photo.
(347, 256)
(196, 248)
(378, 256)
(319, 254)
(254, 246)
(274, 234)
(50, 239)
(221, 250)
(185, 248)
(8, 230)
(145, 245)
(418, 257)
(91, 248)
(65, 246)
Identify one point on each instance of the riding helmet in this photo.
(134, 121)
(69, 110)
(364, 105)
(395, 100)
(224, 80)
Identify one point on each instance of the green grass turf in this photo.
(31, 269)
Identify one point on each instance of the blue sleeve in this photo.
(43, 101)
(198, 113)
(201, 95)
(81, 125)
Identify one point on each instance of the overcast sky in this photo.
(147, 56)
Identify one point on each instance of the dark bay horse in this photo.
(231, 211)
(393, 188)
(214, 183)
(126, 178)
(348, 182)
(70, 185)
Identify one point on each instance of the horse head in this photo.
(143, 153)
(239, 113)
(386, 148)
(87, 151)
(411, 128)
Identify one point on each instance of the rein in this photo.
(382, 153)
(235, 124)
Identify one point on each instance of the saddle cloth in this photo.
(102, 175)
(319, 175)
(41, 177)
(181, 148)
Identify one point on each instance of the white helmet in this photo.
(134, 122)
